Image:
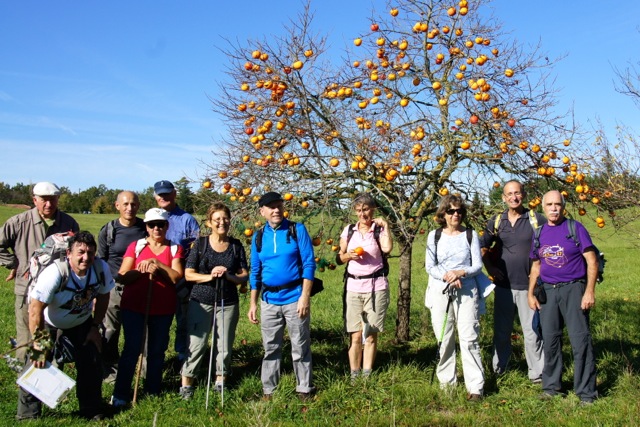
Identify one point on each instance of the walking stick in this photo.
(144, 338)
(449, 290)
(213, 332)
(222, 382)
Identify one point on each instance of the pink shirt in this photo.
(370, 261)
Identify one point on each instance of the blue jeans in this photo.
(157, 343)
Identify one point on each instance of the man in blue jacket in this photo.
(282, 271)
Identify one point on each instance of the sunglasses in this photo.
(154, 224)
(452, 211)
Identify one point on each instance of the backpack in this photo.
(438, 235)
(54, 250)
(571, 224)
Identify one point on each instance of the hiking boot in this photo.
(267, 397)
(473, 397)
(186, 392)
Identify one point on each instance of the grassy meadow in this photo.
(401, 391)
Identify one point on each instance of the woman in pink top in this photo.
(364, 246)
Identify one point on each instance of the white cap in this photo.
(156, 214)
(46, 189)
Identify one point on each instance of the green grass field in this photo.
(400, 392)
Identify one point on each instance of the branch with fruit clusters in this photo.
(37, 349)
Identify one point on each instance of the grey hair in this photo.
(364, 199)
(564, 203)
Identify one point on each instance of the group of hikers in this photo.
(140, 273)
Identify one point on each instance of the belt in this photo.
(561, 284)
(267, 288)
(375, 274)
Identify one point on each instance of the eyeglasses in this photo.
(154, 224)
(514, 194)
(452, 211)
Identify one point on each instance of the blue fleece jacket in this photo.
(280, 263)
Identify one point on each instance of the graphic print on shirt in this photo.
(82, 298)
(553, 255)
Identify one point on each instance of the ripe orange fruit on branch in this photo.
(248, 232)
(297, 65)
(316, 241)
(206, 184)
(287, 196)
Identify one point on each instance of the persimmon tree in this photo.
(431, 98)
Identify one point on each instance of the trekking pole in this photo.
(449, 291)
(222, 305)
(144, 338)
(213, 334)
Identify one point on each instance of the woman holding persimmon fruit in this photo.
(364, 246)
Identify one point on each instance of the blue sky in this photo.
(116, 92)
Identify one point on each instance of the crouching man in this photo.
(62, 301)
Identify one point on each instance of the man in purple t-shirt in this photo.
(567, 272)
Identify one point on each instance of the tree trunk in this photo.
(404, 293)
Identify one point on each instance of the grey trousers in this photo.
(199, 326)
(563, 308)
(505, 304)
(274, 318)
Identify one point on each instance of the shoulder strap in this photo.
(436, 238)
(571, 224)
(536, 237)
(292, 232)
(63, 268)
(350, 231)
(496, 223)
(259, 235)
(202, 246)
(533, 219)
(111, 232)
(140, 244)
(469, 240)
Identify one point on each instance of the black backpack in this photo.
(438, 235)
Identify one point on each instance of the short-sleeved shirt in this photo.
(561, 259)
(233, 258)
(122, 237)
(73, 304)
(515, 243)
(163, 294)
(370, 262)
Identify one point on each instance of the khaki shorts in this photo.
(359, 308)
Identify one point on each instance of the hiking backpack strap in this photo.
(438, 235)
(533, 219)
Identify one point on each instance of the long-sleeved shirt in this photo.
(280, 262)
(454, 253)
(24, 233)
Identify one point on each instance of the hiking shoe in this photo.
(186, 392)
(474, 397)
(549, 396)
(267, 397)
(118, 403)
(537, 381)
(218, 386)
(305, 397)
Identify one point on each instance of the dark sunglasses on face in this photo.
(452, 211)
(154, 224)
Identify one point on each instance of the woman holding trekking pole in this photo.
(150, 269)
(216, 266)
(453, 260)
